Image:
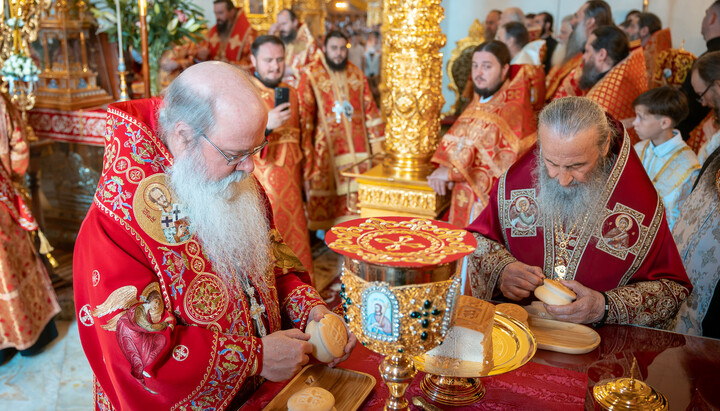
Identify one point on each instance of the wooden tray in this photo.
(347, 386)
(559, 336)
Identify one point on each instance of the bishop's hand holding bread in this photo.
(330, 337)
(554, 293)
(285, 352)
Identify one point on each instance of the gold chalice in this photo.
(400, 283)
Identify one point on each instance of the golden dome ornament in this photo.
(629, 394)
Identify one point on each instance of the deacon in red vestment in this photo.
(27, 299)
(191, 318)
(491, 133)
(301, 47)
(581, 209)
(282, 167)
(338, 110)
(230, 39)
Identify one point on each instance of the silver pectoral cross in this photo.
(256, 311)
(338, 110)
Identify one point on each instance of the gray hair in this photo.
(568, 116)
(183, 103)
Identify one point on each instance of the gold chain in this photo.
(561, 243)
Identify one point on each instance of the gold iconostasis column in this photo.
(411, 104)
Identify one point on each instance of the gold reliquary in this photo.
(67, 80)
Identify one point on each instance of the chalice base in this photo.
(397, 371)
(453, 391)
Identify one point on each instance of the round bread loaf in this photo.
(554, 293)
(514, 311)
(328, 338)
(311, 399)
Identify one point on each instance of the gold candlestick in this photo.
(142, 5)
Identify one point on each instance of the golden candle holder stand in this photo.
(399, 287)
(455, 382)
(629, 394)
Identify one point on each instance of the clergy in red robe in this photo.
(612, 74)
(230, 39)
(338, 110)
(654, 40)
(580, 209)
(27, 300)
(192, 315)
(282, 166)
(563, 80)
(491, 133)
(301, 47)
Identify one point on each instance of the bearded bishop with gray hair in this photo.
(186, 293)
(580, 209)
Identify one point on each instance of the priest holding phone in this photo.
(282, 166)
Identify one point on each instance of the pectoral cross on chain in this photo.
(256, 311)
(338, 110)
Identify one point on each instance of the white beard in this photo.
(228, 217)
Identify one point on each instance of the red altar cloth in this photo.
(531, 387)
(79, 126)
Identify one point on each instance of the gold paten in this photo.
(629, 394)
(411, 94)
(455, 382)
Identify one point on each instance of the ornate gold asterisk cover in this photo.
(399, 280)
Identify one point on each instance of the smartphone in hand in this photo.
(282, 95)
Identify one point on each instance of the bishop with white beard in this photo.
(178, 268)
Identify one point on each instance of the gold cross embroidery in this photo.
(401, 242)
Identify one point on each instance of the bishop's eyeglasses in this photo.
(237, 159)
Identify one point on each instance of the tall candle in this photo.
(142, 5)
(119, 30)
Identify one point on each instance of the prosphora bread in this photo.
(311, 399)
(328, 338)
(554, 293)
(469, 337)
(514, 311)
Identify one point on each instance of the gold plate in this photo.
(513, 346)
